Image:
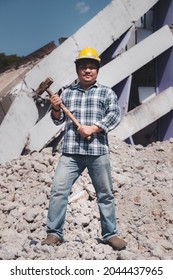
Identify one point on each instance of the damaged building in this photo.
(134, 40)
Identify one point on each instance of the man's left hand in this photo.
(87, 130)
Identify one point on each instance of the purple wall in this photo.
(163, 14)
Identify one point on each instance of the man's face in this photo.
(87, 72)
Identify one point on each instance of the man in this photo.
(95, 107)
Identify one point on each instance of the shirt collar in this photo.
(77, 86)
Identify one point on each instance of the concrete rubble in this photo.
(143, 182)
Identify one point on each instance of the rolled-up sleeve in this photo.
(112, 115)
(60, 120)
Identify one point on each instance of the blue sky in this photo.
(27, 25)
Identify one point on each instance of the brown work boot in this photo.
(51, 240)
(116, 243)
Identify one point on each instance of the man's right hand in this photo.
(55, 101)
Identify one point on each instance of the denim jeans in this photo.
(68, 170)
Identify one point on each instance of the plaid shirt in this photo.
(95, 106)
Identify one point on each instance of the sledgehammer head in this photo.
(44, 86)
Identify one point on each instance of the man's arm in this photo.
(57, 113)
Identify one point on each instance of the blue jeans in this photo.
(68, 170)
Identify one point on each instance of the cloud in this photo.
(82, 7)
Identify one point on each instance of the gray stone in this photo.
(143, 207)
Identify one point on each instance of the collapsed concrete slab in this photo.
(133, 59)
(20, 118)
(10, 78)
(145, 114)
(42, 133)
(100, 32)
(5, 104)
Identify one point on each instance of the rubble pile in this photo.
(143, 189)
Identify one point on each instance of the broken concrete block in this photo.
(5, 104)
(145, 114)
(42, 133)
(83, 195)
(19, 119)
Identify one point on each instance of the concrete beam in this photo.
(139, 55)
(42, 133)
(100, 32)
(20, 118)
(145, 114)
(125, 94)
(5, 104)
(9, 79)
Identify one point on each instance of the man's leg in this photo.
(67, 171)
(100, 172)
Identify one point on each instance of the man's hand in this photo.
(87, 130)
(55, 101)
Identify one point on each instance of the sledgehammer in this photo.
(44, 86)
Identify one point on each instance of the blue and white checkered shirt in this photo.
(96, 106)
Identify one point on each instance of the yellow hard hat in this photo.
(88, 53)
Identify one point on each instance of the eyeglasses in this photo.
(90, 67)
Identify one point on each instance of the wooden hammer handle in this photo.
(70, 115)
(67, 112)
